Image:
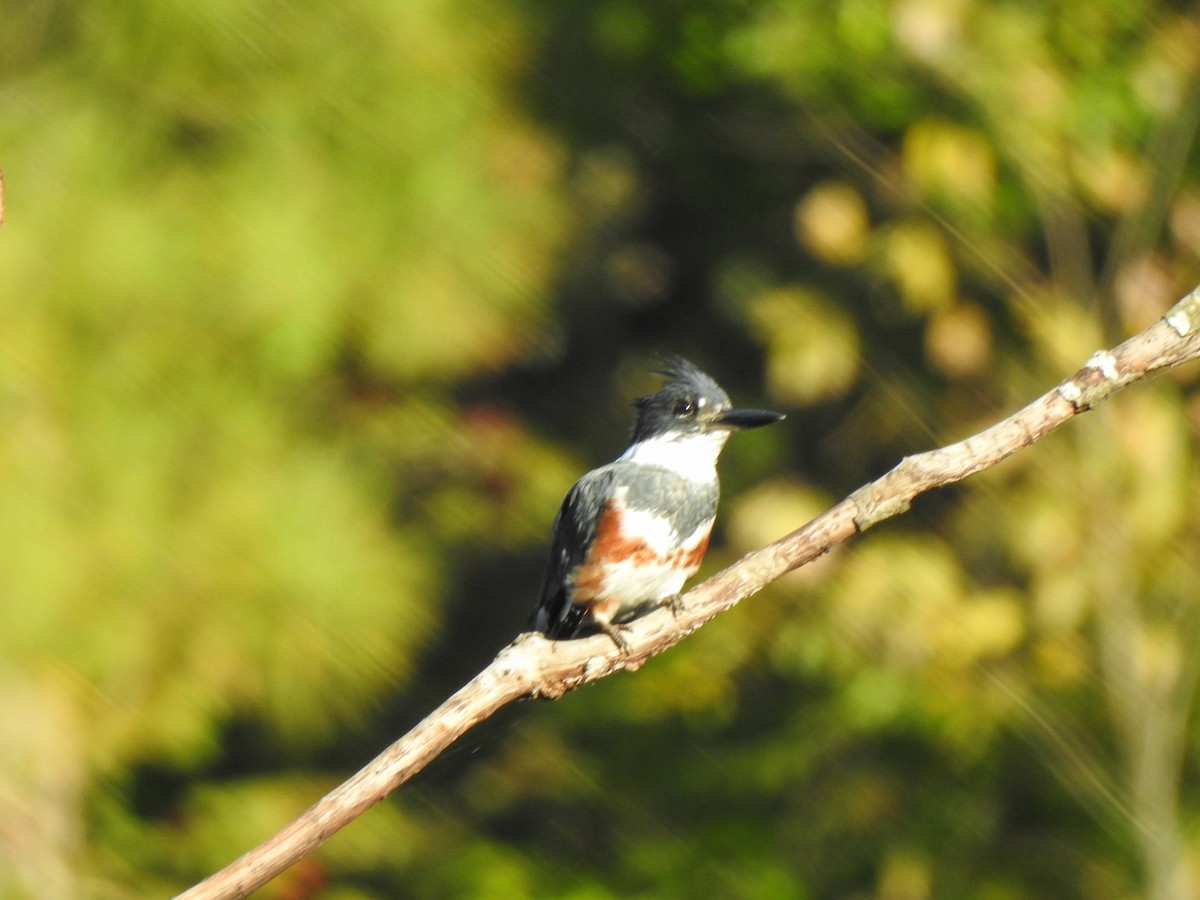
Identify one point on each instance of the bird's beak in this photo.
(742, 419)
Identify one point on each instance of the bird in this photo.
(630, 533)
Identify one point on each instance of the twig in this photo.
(532, 666)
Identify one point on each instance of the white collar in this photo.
(693, 456)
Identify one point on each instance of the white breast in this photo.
(647, 526)
(658, 568)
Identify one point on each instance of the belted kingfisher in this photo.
(629, 534)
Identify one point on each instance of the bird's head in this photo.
(689, 404)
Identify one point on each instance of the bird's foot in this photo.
(614, 634)
(675, 604)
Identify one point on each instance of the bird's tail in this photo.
(568, 621)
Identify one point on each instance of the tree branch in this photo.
(532, 666)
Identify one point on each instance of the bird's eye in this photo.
(684, 408)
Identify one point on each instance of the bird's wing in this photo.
(573, 532)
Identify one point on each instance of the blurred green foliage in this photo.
(309, 315)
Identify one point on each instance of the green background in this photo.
(311, 312)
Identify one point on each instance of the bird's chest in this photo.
(640, 557)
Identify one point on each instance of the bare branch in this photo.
(533, 666)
